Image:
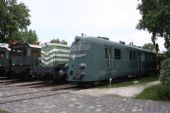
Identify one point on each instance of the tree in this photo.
(58, 41)
(14, 18)
(28, 36)
(155, 19)
(55, 41)
(148, 46)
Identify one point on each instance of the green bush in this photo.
(157, 92)
(165, 72)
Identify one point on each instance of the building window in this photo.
(117, 53)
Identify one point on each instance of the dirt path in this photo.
(129, 91)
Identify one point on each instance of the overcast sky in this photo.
(65, 19)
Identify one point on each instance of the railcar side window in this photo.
(106, 55)
(117, 53)
(143, 58)
(132, 55)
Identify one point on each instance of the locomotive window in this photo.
(18, 51)
(117, 53)
(80, 47)
(2, 54)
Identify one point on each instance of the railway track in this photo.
(20, 91)
(40, 93)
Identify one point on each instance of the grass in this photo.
(149, 93)
(157, 92)
(130, 81)
(2, 111)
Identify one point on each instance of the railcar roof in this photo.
(25, 44)
(104, 41)
(4, 45)
(55, 44)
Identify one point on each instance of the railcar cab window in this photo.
(108, 53)
(18, 51)
(117, 53)
(2, 54)
(80, 46)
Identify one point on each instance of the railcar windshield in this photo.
(80, 46)
(18, 51)
(2, 54)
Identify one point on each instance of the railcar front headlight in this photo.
(66, 65)
(82, 65)
(61, 73)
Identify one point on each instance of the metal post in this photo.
(110, 81)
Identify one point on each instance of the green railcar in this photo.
(4, 59)
(96, 59)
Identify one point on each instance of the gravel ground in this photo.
(129, 91)
(28, 99)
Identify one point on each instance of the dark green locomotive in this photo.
(95, 59)
(4, 59)
(23, 57)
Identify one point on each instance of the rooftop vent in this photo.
(105, 38)
(77, 38)
(121, 42)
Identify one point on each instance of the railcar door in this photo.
(108, 61)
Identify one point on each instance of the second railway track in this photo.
(20, 91)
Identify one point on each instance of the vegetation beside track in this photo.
(157, 92)
(2, 111)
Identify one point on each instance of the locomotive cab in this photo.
(82, 62)
(23, 57)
